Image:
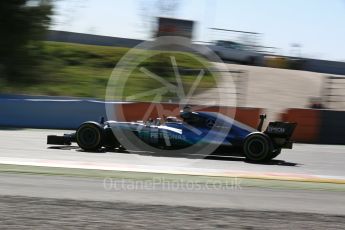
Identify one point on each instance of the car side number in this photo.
(154, 135)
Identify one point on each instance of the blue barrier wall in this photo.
(54, 114)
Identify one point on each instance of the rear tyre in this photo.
(258, 147)
(90, 136)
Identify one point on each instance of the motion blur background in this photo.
(281, 56)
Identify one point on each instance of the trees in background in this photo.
(22, 24)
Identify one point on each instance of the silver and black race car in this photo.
(194, 129)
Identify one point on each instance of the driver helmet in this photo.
(186, 111)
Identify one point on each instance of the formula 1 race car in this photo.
(233, 137)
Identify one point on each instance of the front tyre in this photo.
(258, 147)
(90, 136)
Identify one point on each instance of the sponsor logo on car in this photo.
(275, 129)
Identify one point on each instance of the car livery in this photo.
(230, 136)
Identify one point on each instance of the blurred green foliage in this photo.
(21, 26)
(30, 66)
(84, 70)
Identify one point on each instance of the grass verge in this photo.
(83, 71)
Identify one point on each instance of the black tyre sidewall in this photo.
(97, 131)
(265, 154)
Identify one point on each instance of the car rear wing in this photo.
(280, 133)
(280, 129)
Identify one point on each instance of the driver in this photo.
(188, 115)
(186, 112)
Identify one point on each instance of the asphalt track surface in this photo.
(304, 159)
(43, 213)
(43, 201)
(233, 195)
